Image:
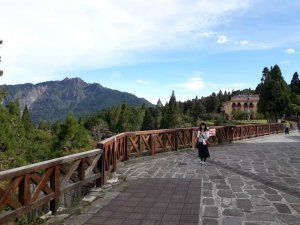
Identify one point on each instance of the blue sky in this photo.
(150, 47)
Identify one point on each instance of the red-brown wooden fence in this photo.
(54, 177)
(29, 187)
(131, 144)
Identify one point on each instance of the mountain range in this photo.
(52, 100)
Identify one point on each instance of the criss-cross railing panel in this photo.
(28, 187)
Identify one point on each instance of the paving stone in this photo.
(260, 216)
(207, 186)
(209, 221)
(226, 202)
(61, 217)
(207, 194)
(221, 186)
(253, 223)
(232, 220)
(244, 204)
(211, 211)
(225, 193)
(288, 219)
(296, 207)
(290, 198)
(236, 189)
(290, 180)
(273, 197)
(260, 201)
(208, 201)
(241, 195)
(255, 192)
(282, 208)
(233, 212)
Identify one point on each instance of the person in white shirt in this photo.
(202, 138)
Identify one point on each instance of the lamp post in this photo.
(248, 109)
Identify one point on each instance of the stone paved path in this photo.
(250, 182)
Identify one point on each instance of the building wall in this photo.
(239, 103)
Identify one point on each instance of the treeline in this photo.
(277, 98)
(174, 114)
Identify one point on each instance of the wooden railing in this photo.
(26, 188)
(29, 187)
(249, 131)
(131, 144)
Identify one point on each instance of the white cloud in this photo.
(142, 81)
(285, 62)
(244, 42)
(49, 38)
(290, 51)
(229, 87)
(116, 74)
(206, 34)
(222, 39)
(194, 83)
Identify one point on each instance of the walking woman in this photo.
(202, 137)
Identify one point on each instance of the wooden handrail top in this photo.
(132, 133)
(157, 131)
(19, 171)
(245, 125)
(126, 134)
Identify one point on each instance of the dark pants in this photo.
(286, 130)
(203, 152)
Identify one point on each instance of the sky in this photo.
(150, 47)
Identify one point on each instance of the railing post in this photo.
(81, 169)
(153, 144)
(164, 141)
(231, 133)
(115, 156)
(55, 186)
(175, 133)
(126, 148)
(100, 166)
(219, 134)
(24, 190)
(103, 161)
(139, 144)
(193, 138)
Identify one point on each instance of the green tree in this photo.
(12, 135)
(274, 94)
(97, 127)
(170, 113)
(212, 103)
(72, 135)
(150, 120)
(26, 119)
(14, 108)
(295, 84)
(198, 109)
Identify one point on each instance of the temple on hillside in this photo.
(241, 106)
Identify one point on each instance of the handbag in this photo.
(207, 142)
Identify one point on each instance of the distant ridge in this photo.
(52, 100)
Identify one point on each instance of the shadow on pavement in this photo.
(265, 181)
